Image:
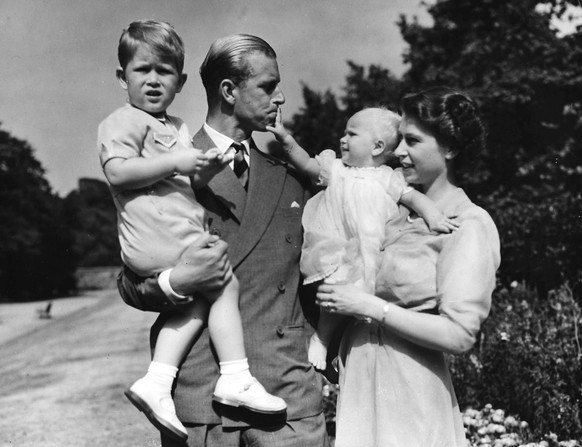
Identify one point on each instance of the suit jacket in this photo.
(264, 236)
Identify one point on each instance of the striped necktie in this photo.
(241, 167)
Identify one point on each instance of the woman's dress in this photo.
(344, 224)
(395, 393)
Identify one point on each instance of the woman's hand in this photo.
(344, 299)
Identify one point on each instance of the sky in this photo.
(58, 61)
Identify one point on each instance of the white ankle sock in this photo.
(161, 374)
(236, 369)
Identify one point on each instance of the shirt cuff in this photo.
(164, 283)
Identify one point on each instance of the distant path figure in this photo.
(45, 314)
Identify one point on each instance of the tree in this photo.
(35, 244)
(321, 122)
(529, 83)
(92, 218)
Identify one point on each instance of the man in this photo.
(256, 208)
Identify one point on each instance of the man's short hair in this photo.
(227, 59)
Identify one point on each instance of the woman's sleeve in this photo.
(466, 276)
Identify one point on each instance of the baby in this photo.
(151, 166)
(344, 223)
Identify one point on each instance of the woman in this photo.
(433, 292)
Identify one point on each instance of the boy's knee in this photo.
(230, 291)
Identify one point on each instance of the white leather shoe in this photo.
(158, 408)
(251, 396)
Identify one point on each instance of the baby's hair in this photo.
(384, 123)
(160, 37)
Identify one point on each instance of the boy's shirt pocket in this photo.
(166, 140)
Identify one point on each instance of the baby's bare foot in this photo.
(317, 353)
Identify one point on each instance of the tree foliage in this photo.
(35, 244)
(92, 218)
(528, 82)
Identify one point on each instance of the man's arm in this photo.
(203, 267)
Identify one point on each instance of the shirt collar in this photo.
(162, 119)
(222, 141)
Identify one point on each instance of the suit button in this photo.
(280, 331)
(215, 232)
(288, 238)
(281, 286)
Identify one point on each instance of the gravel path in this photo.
(62, 380)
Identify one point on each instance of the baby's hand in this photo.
(441, 223)
(277, 128)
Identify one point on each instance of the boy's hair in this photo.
(384, 124)
(158, 36)
(227, 59)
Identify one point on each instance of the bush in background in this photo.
(528, 361)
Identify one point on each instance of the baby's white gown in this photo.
(344, 223)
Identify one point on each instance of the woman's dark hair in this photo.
(452, 117)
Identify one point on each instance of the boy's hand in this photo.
(441, 223)
(214, 162)
(189, 162)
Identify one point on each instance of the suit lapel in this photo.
(266, 180)
(225, 185)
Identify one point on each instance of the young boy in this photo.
(344, 223)
(149, 162)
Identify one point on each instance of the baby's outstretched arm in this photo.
(296, 155)
(427, 209)
(139, 172)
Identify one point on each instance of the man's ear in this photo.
(228, 91)
(120, 73)
(181, 82)
(379, 146)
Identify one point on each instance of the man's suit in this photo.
(264, 236)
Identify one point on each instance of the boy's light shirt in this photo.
(223, 143)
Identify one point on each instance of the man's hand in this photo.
(203, 267)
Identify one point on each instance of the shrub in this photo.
(528, 361)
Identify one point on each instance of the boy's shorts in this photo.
(159, 303)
